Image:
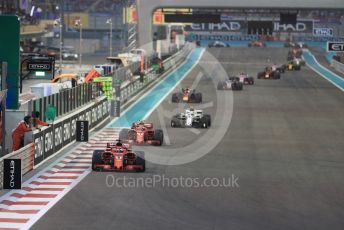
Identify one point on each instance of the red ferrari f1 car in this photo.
(142, 132)
(187, 95)
(118, 157)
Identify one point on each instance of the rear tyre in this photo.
(259, 75)
(203, 123)
(159, 136)
(220, 86)
(198, 98)
(208, 119)
(277, 75)
(140, 160)
(96, 159)
(175, 122)
(175, 98)
(237, 86)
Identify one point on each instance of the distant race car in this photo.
(294, 53)
(118, 157)
(187, 95)
(299, 61)
(257, 44)
(230, 84)
(69, 54)
(295, 64)
(243, 78)
(142, 132)
(217, 44)
(269, 73)
(280, 68)
(295, 45)
(192, 119)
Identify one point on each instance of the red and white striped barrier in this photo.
(20, 209)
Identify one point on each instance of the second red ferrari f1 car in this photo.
(118, 157)
(142, 132)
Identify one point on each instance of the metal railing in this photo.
(130, 89)
(67, 100)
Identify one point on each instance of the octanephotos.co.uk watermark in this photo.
(171, 182)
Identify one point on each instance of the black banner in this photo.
(115, 108)
(73, 127)
(196, 17)
(335, 46)
(105, 109)
(58, 137)
(39, 66)
(99, 112)
(94, 116)
(39, 148)
(12, 174)
(88, 117)
(66, 130)
(82, 131)
(260, 27)
(48, 138)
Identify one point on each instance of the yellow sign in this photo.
(71, 18)
(129, 15)
(159, 14)
(158, 17)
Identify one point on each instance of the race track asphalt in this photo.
(284, 144)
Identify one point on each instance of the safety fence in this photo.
(63, 132)
(26, 154)
(125, 73)
(130, 89)
(67, 100)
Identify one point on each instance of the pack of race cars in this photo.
(120, 157)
